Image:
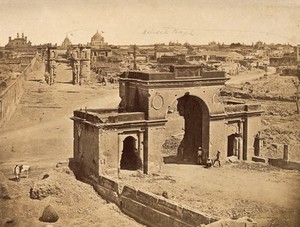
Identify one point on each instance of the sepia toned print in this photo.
(149, 113)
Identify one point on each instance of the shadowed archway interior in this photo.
(194, 112)
(130, 159)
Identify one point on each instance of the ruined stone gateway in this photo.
(131, 136)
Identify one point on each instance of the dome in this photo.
(97, 37)
(66, 42)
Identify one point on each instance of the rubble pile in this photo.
(59, 183)
(272, 87)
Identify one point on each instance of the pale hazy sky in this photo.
(152, 21)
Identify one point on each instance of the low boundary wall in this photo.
(150, 209)
(11, 96)
(284, 164)
(278, 162)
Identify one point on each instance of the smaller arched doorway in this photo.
(234, 145)
(130, 159)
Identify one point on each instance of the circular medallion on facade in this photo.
(216, 98)
(157, 102)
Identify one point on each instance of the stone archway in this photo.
(196, 117)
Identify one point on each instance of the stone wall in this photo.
(148, 208)
(108, 153)
(156, 138)
(284, 164)
(86, 150)
(11, 96)
(218, 139)
(154, 210)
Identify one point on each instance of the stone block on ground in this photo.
(232, 159)
(241, 222)
(49, 214)
(4, 191)
(259, 159)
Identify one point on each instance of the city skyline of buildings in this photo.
(149, 22)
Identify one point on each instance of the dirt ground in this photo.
(40, 134)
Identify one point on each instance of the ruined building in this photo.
(131, 136)
(18, 43)
(80, 62)
(50, 64)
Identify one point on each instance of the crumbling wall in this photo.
(11, 96)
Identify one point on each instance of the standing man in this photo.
(199, 156)
(217, 159)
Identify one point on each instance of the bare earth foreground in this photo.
(40, 134)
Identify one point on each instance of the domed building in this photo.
(97, 40)
(100, 51)
(66, 43)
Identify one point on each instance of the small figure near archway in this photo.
(130, 159)
(199, 159)
(217, 159)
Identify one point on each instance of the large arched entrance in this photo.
(130, 159)
(196, 129)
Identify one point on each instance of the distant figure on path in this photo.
(217, 159)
